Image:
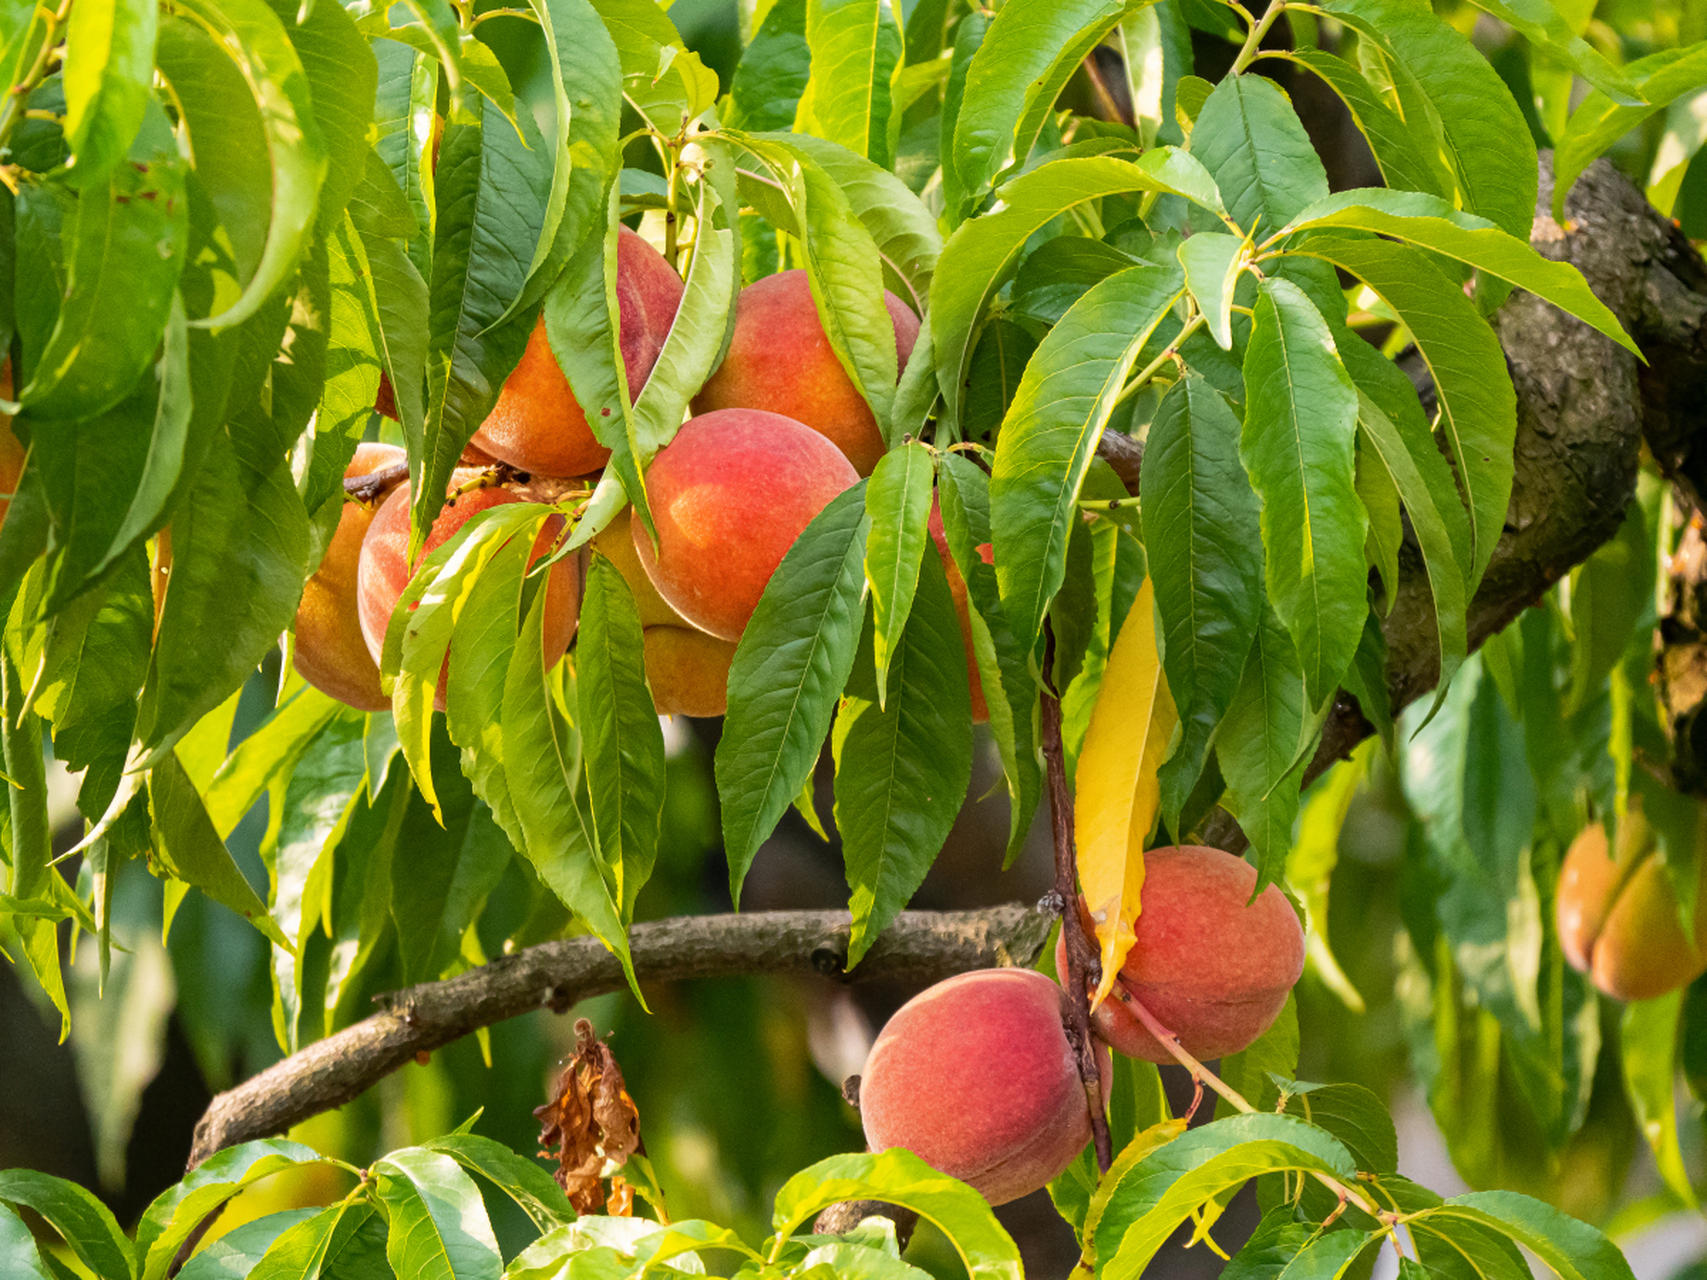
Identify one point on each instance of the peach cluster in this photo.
(779, 431)
(976, 1075)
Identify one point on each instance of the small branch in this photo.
(375, 485)
(1081, 958)
(1125, 455)
(919, 947)
(1202, 1075)
(1253, 41)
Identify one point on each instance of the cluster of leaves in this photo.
(223, 222)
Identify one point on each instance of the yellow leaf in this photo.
(1132, 726)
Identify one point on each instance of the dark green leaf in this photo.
(898, 500)
(792, 661)
(619, 730)
(1352, 1114)
(1572, 1248)
(1051, 432)
(1249, 137)
(1203, 539)
(179, 1210)
(1261, 745)
(1599, 120)
(773, 71)
(1299, 446)
(855, 51)
(902, 768)
(343, 76)
(86, 1224)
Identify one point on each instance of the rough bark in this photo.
(920, 947)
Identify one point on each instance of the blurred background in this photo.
(737, 1081)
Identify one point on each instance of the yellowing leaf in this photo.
(1131, 729)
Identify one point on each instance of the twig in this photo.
(919, 947)
(1081, 959)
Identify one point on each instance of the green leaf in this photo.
(253, 37)
(439, 1227)
(855, 54)
(662, 79)
(1540, 22)
(1418, 473)
(1164, 1188)
(900, 1177)
(1482, 134)
(397, 300)
(1260, 745)
(1401, 148)
(1213, 263)
(1204, 545)
(1025, 59)
(978, 259)
(1660, 79)
(1352, 1114)
(1010, 688)
(86, 1224)
(1051, 432)
(1573, 1249)
(1283, 1248)
(109, 63)
(586, 75)
(619, 730)
(1299, 445)
(1249, 137)
(1431, 223)
(265, 756)
(843, 268)
(18, 1246)
(523, 1180)
(773, 71)
(239, 534)
(343, 78)
(1612, 596)
(189, 849)
(404, 119)
(902, 768)
(969, 35)
(791, 663)
(492, 192)
(1648, 1048)
(179, 1210)
(998, 364)
(125, 252)
(898, 500)
(301, 1249)
(542, 775)
(1478, 408)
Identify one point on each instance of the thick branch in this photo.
(920, 947)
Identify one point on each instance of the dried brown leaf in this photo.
(590, 1124)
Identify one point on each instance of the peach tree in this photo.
(1211, 460)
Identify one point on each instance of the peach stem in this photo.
(1202, 1075)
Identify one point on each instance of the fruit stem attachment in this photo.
(1080, 955)
(1202, 1075)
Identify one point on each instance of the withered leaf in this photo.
(591, 1124)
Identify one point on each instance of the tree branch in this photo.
(919, 947)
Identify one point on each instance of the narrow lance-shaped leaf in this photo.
(179, 1209)
(1118, 796)
(1648, 1044)
(773, 70)
(1431, 223)
(1298, 444)
(792, 661)
(1478, 408)
(256, 39)
(855, 52)
(1249, 137)
(898, 500)
(1572, 1248)
(1031, 49)
(87, 1225)
(1050, 435)
(1259, 745)
(109, 63)
(1600, 120)
(1204, 544)
(1212, 265)
(902, 768)
(979, 258)
(619, 730)
(439, 1227)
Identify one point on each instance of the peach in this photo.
(331, 653)
(780, 360)
(1212, 969)
(957, 589)
(729, 495)
(1618, 914)
(977, 1078)
(537, 425)
(383, 574)
(687, 668)
(11, 448)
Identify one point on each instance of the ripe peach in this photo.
(11, 448)
(730, 494)
(957, 589)
(780, 360)
(1213, 970)
(976, 1077)
(383, 574)
(1618, 915)
(331, 653)
(537, 426)
(687, 668)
